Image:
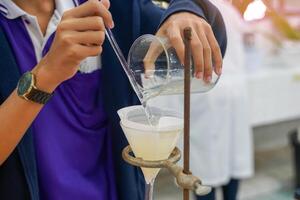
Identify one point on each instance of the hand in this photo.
(79, 35)
(205, 49)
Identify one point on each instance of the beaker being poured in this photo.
(157, 70)
(153, 68)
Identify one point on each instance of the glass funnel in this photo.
(151, 143)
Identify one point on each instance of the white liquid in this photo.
(174, 86)
(154, 145)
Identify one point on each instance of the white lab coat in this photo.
(221, 138)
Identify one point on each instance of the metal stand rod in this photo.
(187, 93)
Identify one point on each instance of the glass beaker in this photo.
(157, 69)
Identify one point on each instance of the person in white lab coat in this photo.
(221, 138)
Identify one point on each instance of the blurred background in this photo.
(255, 107)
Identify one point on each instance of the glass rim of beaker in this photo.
(161, 42)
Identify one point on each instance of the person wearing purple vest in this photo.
(61, 85)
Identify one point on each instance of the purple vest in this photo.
(71, 139)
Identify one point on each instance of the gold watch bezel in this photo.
(32, 86)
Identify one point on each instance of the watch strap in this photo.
(38, 96)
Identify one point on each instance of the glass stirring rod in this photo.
(123, 62)
(129, 73)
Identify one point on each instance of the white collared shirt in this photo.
(11, 11)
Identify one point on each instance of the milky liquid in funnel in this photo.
(153, 143)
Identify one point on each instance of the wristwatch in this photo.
(27, 89)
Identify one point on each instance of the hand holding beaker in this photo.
(205, 49)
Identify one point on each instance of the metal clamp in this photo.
(139, 162)
(185, 181)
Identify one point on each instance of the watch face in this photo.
(25, 83)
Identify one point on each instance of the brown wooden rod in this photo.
(187, 92)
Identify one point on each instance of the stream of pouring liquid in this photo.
(129, 74)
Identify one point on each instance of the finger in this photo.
(155, 49)
(91, 8)
(106, 3)
(106, 15)
(89, 37)
(216, 51)
(207, 55)
(197, 52)
(176, 41)
(93, 23)
(89, 51)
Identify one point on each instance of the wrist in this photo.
(44, 81)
